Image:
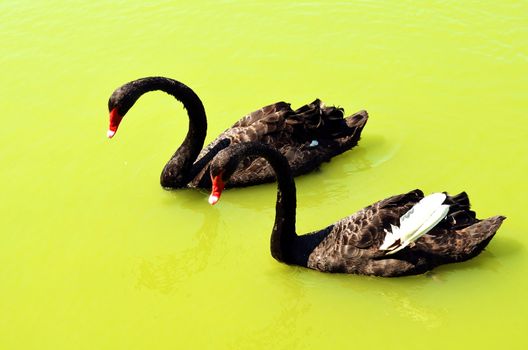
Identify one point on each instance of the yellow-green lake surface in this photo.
(94, 254)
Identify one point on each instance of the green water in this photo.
(95, 255)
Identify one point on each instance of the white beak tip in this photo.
(110, 134)
(213, 199)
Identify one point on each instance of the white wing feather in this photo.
(419, 220)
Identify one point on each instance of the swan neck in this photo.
(177, 171)
(283, 235)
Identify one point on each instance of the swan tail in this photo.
(461, 244)
(357, 120)
(478, 236)
(316, 121)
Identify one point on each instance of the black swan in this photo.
(402, 235)
(307, 136)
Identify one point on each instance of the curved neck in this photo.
(286, 246)
(176, 172)
(283, 236)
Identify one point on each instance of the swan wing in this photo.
(419, 220)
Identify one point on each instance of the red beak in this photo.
(115, 119)
(218, 187)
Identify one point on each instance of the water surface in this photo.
(95, 255)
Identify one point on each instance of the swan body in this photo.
(401, 235)
(307, 137)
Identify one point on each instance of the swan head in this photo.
(224, 165)
(121, 100)
(220, 169)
